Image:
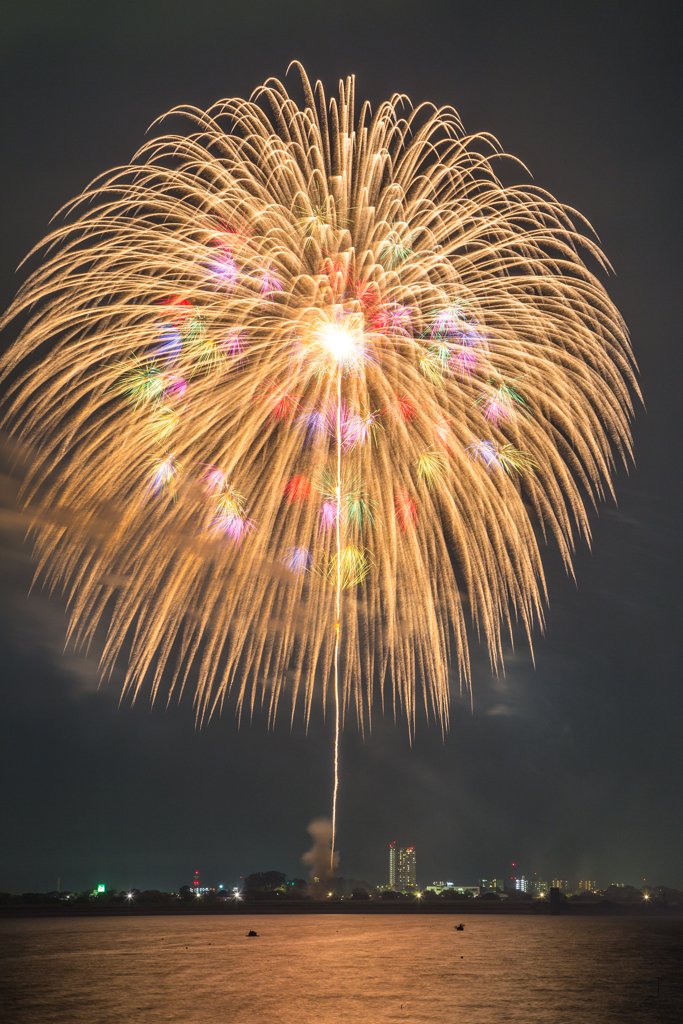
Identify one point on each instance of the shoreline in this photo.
(267, 907)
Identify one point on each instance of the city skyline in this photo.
(403, 875)
(299, 888)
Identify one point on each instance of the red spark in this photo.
(336, 274)
(404, 409)
(282, 403)
(236, 236)
(405, 508)
(298, 488)
(368, 295)
(179, 308)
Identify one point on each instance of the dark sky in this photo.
(572, 768)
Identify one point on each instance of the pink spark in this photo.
(175, 388)
(215, 480)
(345, 422)
(392, 318)
(325, 421)
(268, 282)
(463, 361)
(494, 410)
(449, 322)
(225, 269)
(232, 525)
(359, 427)
(233, 344)
(329, 510)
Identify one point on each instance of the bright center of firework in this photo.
(339, 343)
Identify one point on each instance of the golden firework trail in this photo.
(300, 387)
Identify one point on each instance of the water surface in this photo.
(310, 969)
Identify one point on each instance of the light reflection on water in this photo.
(310, 969)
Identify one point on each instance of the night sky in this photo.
(571, 768)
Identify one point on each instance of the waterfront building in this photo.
(402, 867)
(393, 864)
(407, 868)
(439, 887)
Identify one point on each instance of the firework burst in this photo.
(391, 363)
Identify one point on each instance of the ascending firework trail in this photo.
(296, 386)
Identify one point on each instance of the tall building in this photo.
(407, 868)
(587, 886)
(557, 883)
(402, 867)
(393, 864)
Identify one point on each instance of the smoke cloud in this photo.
(319, 854)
